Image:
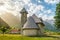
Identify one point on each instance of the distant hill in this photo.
(3, 23)
(49, 26)
(11, 20)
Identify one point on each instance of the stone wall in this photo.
(30, 32)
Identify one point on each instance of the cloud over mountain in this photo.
(42, 8)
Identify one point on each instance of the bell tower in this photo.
(23, 16)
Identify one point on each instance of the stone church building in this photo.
(32, 25)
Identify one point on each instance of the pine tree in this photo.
(57, 16)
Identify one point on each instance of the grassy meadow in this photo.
(19, 37)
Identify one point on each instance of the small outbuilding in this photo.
(30, 28)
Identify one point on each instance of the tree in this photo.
(4, 28)
(57, 16)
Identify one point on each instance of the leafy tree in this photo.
(57, 16)
(4, 28)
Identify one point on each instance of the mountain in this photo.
(49, 26)
(3, 23)
(11, 20)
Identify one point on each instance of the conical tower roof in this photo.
(30, 24)
(23, 11)
(36, 19)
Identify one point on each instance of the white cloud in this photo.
(40, 7)
(33, 9)
(11, 6)
(38, 1)
(40, 15)
(26, 1)
(51, 1)
(49, 11)
(4, 0)
(14, 6)
(45, 17)
(50, 18)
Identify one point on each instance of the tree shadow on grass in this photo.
(51, 36)
(47, 36)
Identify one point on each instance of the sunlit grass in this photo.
(20, 37)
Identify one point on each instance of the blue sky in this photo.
(42, 8)
(49, 8)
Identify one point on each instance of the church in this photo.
(29, 26)
(32, 25)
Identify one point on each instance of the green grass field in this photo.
(19, 37)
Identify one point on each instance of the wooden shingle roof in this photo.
(36, 19)
(30, 24)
